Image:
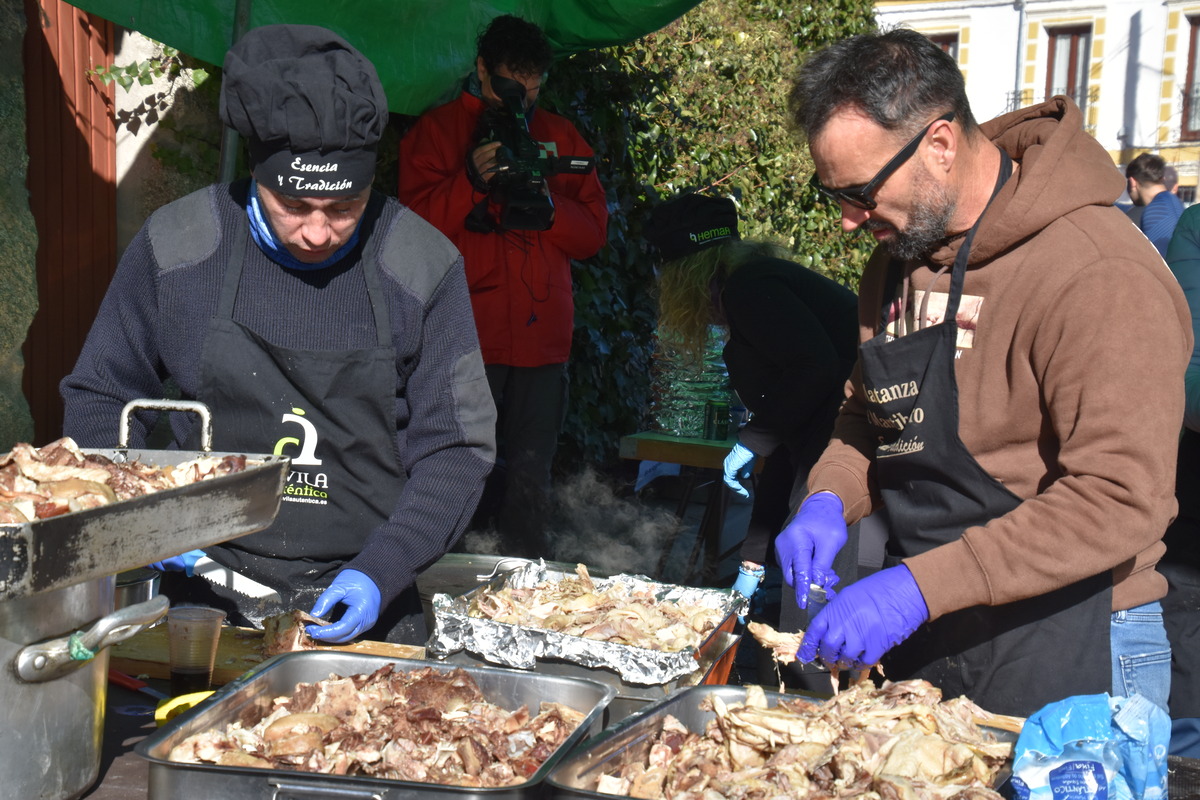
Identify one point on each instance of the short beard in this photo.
(927, 223)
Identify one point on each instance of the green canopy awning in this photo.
(422, 48)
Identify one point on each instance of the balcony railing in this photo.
(1019, 99)
(1191, 113)
(1083, 98)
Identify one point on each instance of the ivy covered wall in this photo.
(18, 238)
(701, 102)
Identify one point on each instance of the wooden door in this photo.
(71, 142)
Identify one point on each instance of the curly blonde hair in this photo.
(689, 290)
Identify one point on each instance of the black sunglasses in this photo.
(863, 196)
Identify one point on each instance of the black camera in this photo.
(518, 186)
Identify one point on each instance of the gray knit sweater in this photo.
(152, 324)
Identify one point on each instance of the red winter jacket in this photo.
(520, 281)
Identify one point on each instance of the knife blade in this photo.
(219, 575)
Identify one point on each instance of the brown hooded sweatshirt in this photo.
(1070, 390)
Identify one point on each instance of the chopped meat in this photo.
(620, 613)
(899, 742)
(783, 646)
(424, 725)
(59, 478)
(284, 633)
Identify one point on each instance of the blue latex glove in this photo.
(738, 465)
(185, 563)
(868, 618)
(747, 584)
(359, 594)
(808, 544)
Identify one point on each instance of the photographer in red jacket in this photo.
(514, 187)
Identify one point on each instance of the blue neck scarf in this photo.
(268, 242)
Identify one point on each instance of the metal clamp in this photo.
(53, 659)
(190, 406)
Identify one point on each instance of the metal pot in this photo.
(52, 688)
(136, 586)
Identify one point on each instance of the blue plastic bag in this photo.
(1093, 747)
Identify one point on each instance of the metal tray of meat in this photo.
(72, 548)
(249, 694)
(629, 742)
(523, 647)
(715, 660)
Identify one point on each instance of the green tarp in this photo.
(422, 48)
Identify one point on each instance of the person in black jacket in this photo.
(792, 341)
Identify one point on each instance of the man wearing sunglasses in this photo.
(1017, 398)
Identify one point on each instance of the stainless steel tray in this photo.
(279, 675)
(72, 548)
(630, 741)
(715, 659)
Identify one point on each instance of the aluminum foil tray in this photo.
(279, 675)
(630, 741)
(523, 647)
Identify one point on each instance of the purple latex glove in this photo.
(808, 543)
(185, 563)
(361, 597)
(865, 620)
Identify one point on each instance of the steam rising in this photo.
(590, 524)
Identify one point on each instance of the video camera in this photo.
(518, 186)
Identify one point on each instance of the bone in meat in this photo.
(284, 633)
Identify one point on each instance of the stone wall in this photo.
(18, 237)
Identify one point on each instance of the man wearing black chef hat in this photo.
(319, 320)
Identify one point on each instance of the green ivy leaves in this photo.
(167, 63)
(701, 101)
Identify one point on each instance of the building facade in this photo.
(1131, 65)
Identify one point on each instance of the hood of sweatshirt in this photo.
(1062, 169)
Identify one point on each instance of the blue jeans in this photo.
(1141, 654)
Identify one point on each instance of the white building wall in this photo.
(1137, 64)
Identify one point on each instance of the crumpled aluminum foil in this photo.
(520, 647)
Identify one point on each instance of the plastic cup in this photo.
(193, 633)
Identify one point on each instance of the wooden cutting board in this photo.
(146, 653)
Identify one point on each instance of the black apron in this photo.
(1010, 659)
(332, 413)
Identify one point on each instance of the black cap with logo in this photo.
(691, 222)
(311, 107)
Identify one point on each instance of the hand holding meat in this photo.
(865, 620)
(808, 544)
(185, 562)
(361, 597)
(738, 464)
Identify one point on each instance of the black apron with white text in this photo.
(1010, 659)
(332, 413)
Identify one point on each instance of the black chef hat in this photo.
(691, 222)
(310, 106)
